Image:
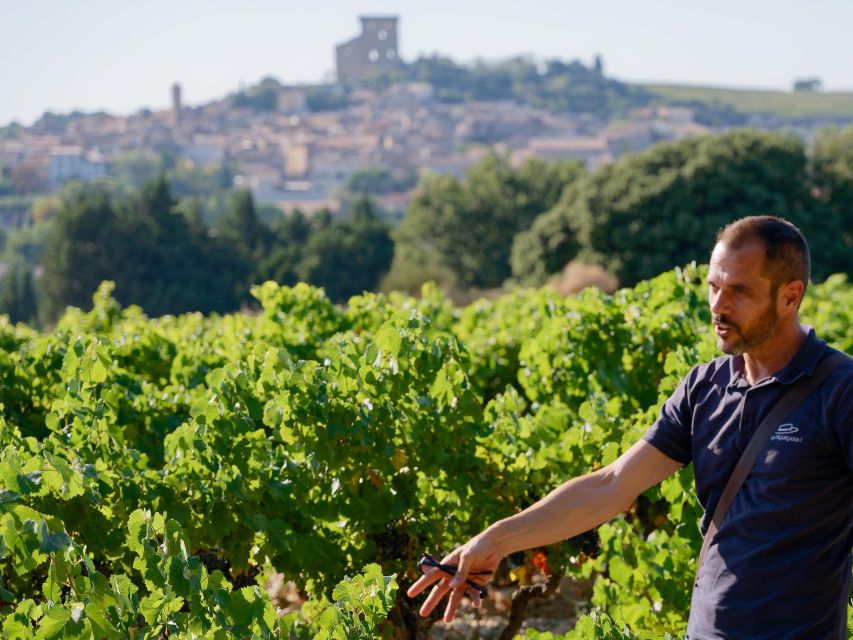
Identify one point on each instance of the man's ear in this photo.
(790, 295)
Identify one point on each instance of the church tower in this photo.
(176, 103)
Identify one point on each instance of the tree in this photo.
(468, 226)
(77, 251)
(324, 98)
(543, 250)
(17, 294)
(563, 87)
(11, 131)
(379, 180)
(44, 208)
(808, 85)
(135, 168)
(648, 212)
(349, 256)
(29, 177)
(832, 186)
(169, 267)
(156, 258)
(287, 246)
(6, 186)
(260, 98)
(242, 228)
(248, 240)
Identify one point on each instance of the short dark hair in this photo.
(786, 252)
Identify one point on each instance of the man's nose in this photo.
(719, 302)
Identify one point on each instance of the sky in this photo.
(120, 56)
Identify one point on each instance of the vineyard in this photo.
(155, 472)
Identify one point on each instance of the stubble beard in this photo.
(751, 338)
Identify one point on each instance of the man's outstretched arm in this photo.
(576, 506)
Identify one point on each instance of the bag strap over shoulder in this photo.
(781, 410)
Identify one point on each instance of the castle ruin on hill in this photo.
(374, 51)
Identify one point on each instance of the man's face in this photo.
(742, 298)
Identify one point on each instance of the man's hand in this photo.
(575, 506)
(478, 554)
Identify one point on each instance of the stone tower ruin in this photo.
(373, 52)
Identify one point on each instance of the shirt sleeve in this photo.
(671, 432)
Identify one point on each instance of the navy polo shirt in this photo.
(779, 567)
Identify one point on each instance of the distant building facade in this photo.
(72, 163)
(292, 101)
(297, 161)
(374, 51)
(206, 149)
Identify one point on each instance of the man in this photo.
(779, 566)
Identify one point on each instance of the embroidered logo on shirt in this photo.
(784, 433)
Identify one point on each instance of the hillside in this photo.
(785, 104)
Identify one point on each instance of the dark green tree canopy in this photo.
(77, 254)
(832, 176)
(155, 257)
(162, 258)
(17, 293)
(637, 217)
(242, 229)
(289, 236)
(349, 256)
(380, 179)
(558, 86)
(645, 213)
(467, 226)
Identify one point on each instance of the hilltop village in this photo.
(295, 146)
(294, 156)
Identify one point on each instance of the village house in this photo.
(74, 163)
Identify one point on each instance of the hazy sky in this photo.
(122, 55)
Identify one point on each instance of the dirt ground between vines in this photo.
(557, 614)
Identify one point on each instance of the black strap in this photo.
(429, 561)
(781, 410)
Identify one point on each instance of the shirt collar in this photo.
(737, 376)
(802, 364)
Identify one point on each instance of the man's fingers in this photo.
(444, 582)
(453, 603)
(434, 598)
(430, 575)
(476, 600)
(462, 571)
